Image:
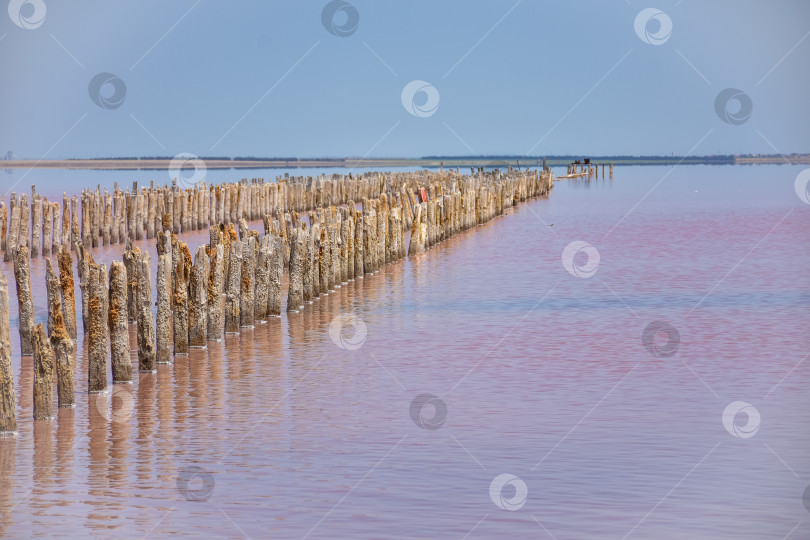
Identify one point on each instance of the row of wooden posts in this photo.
(591, 169)
(233, 281)
(97, 217)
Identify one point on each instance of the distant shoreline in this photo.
(431, 162)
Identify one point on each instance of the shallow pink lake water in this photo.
(534, 372)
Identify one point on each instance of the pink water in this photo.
(543, 375)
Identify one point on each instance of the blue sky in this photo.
(511, 77)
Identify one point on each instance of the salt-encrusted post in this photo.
(46, 227)
(295, 293)
(274, 277)
(306, 263)
(22, 275)
(3, 225)
(36, 222)
(246, 301)
(164, 290)
(131, 255)
(60, 339)
(261, 277)
(56, 243)
(118, 321)
(182, 272)
(96, 332)
(8, 415)
(146, 326)
(43, 375)
(198, 299)
(67, 290)
(216, 280)
(234, 289)
(13, 233)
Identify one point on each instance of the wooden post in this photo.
(182, 273)
(22, 275)
(358, 243)
(87, 221)
(163, 330)
(315, 242)
(260, 279)
(24, 238)
(43, 375)
(106, 231)
(118, 321)
(418, 233)
(198, 299)
(151, 206)
(96, 333)
(3, 225)
(67, 290)
(146, 326)
(247, 301)
(13, 234)
(216, 281)
(36, 222)
(234, 289)
(295, 293)
(46, 228)
(8, 414)
(131, 255)
(323, 260)
(60, 339)
(274, 277)
(56, 243)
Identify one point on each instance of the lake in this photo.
(652, 383)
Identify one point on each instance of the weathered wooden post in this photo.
(96, 332)
(323, 259)
(164, 287)
(146, 326)
(43, 375)
(3, 225)
(182, 273)
(87, 220)
(151, 207)
(418, 233)
(60, 339)
(14, 229)
(295, 292)
(234, 289)
(13, 234)
(56, 243)
(67, 290)
(131, 255)
(198, 299)
(66, 241)
(261, 278)
(22, 275)
(315, 242)
(274, 278)
(46, 227)
(306, 278)
(8, 414)
(247, 301)
(75, 236)
(106, 232)
(216, 281)
(36, 222)
(358, 243)
(118, 322)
